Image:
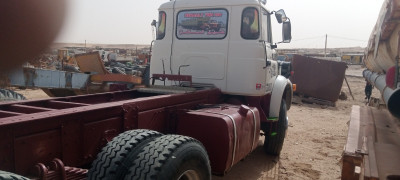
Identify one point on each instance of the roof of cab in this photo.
(207, 3)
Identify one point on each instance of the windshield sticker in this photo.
(202, 24)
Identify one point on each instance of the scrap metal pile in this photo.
(84, 73)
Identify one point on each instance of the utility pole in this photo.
(326, 42)
(85, 45)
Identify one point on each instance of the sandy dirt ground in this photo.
(314, 142)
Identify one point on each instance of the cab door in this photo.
(161, 53)
(247, 56)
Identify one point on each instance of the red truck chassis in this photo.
(60, 137)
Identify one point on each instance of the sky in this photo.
(347, 23)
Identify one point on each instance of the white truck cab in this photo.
(224, 43)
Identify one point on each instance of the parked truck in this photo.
(210, 95)
(373, 141)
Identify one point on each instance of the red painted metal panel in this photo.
(54, 104)
(318, 78)
(71, 131)
(4, 114)
(97, 134)
(75, 134)
(32, 149)
(6, 149)
(219, 133)
(26, 109)
(155, 119)
(32, 125)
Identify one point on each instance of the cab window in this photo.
(161, 25)
(266, 26)
(250, 28)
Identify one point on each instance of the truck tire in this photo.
(11, 176)
(107, 164)
(9, 95)
(171, 157)
(274, 140)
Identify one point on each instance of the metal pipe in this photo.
(389, 95)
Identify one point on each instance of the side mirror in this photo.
(154, 23)
(286, 32)
(280, 16)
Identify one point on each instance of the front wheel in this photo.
(171, 157)
(274, 140)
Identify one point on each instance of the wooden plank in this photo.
(371, 168)
(351, 157)
(388, 160)
(376, 142)
(348, 87)
(386, 130)
(353, 135)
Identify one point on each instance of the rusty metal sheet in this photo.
(318, 78)
(116, 78)
(90, 62)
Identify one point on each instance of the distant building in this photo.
(353, 58)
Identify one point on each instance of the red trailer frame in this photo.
(40, 136)
(74, 129)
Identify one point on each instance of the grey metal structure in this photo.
(44, 78)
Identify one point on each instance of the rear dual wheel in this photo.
(109, 160)
(145, 154)
(10, 95)
(11, 176)
(171, 157)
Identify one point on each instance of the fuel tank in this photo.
(229, 133)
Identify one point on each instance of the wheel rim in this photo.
(189, 175)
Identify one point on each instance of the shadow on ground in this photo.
(257, 165)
